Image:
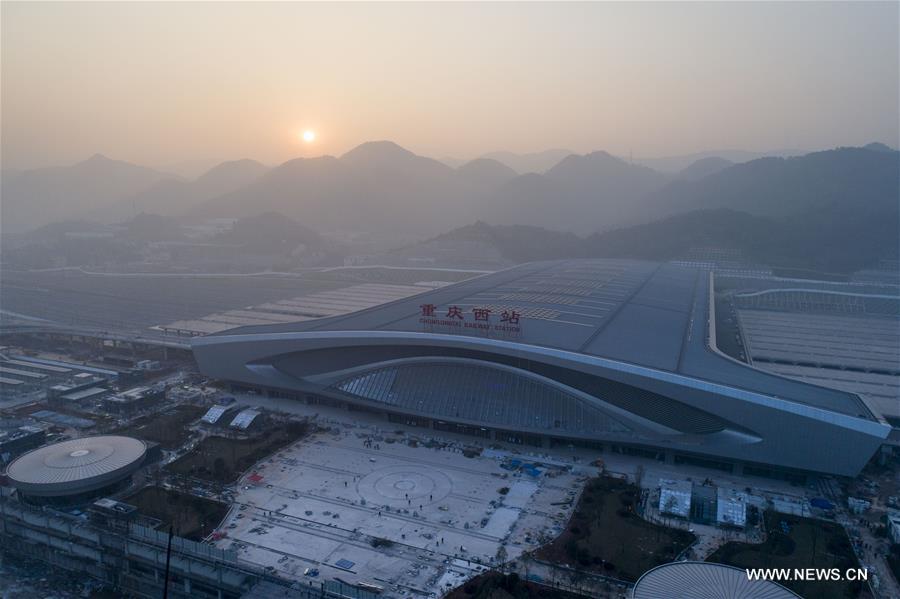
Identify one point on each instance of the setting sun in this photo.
(309, 136)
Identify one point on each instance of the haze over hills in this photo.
(106, 191)
(854, 178)
(379, 188)
(41, 196)
(176, 196)
(580, 194)
(832, 211)
(823, 242)
(830, 243)
(487, 172)
(532, 162)
(878, 147)
(541, 162)
(270, 232)
(583, 194)
(515, 243)
(674, 164)
(704, 168)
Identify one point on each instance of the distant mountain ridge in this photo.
(830, 211)
(532, 162)
(518, 243)
(704, 168)
(856, 178)
(486, 170)
(830, 243)
(107, 191)
(377, 185)
(380, 187)
(172, 197)
(41, 196)
(580, 194)
(674, 164)
(270, 232)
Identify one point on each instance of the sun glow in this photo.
(309, 136)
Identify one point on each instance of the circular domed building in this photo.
(705, 580)
(76, 471)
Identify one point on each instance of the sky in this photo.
(174, 83)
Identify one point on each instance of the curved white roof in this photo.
(705, 580)
(76, 466)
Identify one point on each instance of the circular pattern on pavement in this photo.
(404, 486)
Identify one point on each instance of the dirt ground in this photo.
(223, 459)
(493, 585)
(808, 543)
(169, 429)
(605, 534)
(193, 517)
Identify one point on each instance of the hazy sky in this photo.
(165, 83)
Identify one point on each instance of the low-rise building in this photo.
(134, 400)
(893, 525)
(731, 508)
(112, 514)
(675, 498)
(703, 503)
(858, 505)
(16, 441)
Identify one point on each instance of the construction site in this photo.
(167, 479)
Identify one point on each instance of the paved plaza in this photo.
(364, 504)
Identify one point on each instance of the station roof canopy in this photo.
(650, 314)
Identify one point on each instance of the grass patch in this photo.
(893, 560)
(809, 543)
(169, 429)
(606, 535)
(222, 459)
(192, 517)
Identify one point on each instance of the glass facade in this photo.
(664, 410)
(490, 396)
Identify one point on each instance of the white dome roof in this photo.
(76, 466)
(705, 580)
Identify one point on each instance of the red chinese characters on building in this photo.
(454, 312)
(509, 317)
(474, 320)
(481, 313)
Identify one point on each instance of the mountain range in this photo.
(676, 164)
(831, 243)
(379, 187)
(172, 195)
(37, 197)
(854, 179)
